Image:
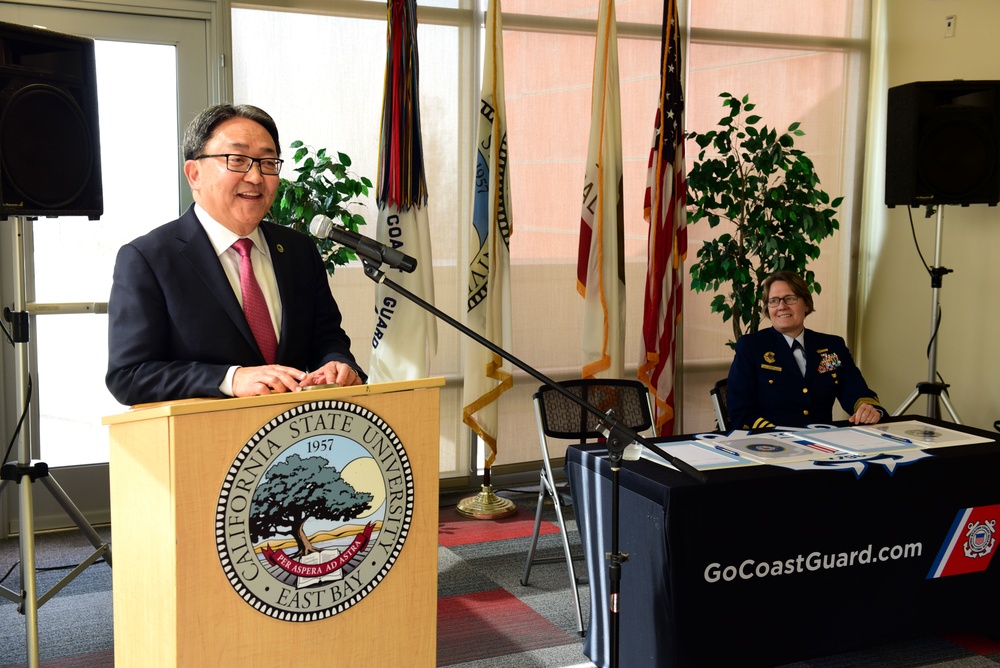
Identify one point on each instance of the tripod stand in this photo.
(24, 471)
(934, 389)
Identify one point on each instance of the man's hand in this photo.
(332, 372)
(249, 381)
(866, 414)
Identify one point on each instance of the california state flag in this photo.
(600, 269)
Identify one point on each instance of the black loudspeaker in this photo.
(943, 143)
(50, 147)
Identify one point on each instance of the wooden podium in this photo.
(175, 604)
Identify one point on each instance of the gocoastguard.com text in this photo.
(749, 569)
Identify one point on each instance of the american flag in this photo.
(666, 193)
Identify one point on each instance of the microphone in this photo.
(323, 228)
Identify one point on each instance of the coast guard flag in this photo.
(405, 336)
(489, 268)
(600, 270)
(666, 193)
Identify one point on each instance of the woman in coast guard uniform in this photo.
(766, 387)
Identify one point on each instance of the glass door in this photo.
(69, 260)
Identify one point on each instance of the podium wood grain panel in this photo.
(173, 605)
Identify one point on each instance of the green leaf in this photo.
(763, 196)
(321, 186)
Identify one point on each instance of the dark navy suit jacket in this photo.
(175, 326)
(765, 387)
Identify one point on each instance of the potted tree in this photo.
(323, 186)
(768, 192)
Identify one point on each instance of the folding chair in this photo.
(720, 402)
(561, 418)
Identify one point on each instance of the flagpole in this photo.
(488, 305)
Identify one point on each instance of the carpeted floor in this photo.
(486, 618)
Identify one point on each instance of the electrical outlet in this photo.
(949, 25)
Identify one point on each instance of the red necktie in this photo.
(254, 306)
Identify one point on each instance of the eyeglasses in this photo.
(243, 163)
(788, 299)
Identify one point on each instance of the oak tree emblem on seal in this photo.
(314, 511)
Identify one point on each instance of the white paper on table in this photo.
(700, 455)
(922, 434)
(854, 439)
(775, 447)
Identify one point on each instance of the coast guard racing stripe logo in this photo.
(314, 511)
(971, 543)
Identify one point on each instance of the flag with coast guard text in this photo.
(405, 335)
(489, 312)
(970, 544)
(666, 193)
(600, 272)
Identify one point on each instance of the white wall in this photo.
(895, 311)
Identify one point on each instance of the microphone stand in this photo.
(617, 435)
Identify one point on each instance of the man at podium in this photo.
(218, 303)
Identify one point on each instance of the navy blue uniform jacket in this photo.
(175, 326)
(765, 388)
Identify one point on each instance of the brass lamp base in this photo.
(486, 506)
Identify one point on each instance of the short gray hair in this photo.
(201, 129)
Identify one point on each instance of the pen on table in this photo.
(896, 438)
(727, 451)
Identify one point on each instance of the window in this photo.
(70, 431)
(327, 91)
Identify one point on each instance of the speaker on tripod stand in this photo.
(49, 166)
(943, 143)
(942, 147)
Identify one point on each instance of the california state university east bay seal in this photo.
(314, 511)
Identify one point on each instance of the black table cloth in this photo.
(764, 565)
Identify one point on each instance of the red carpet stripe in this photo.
(453, 529)
(490, 624)
(976, 644)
